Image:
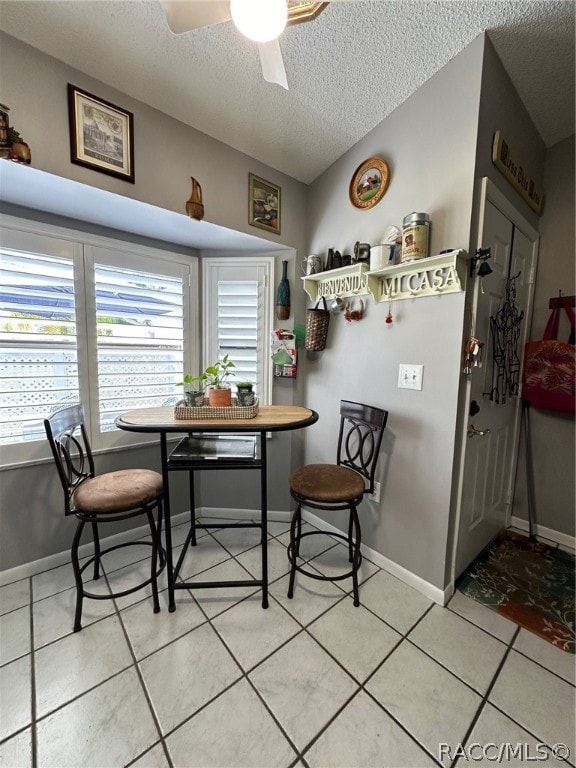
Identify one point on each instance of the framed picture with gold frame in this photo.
(263, 204)
(101, 134)
(369, 183)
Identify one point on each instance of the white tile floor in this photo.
(312, 681)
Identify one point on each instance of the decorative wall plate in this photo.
(369, 183)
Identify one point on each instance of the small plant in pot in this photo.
(245, 393)
(217, 376)
(194, 389)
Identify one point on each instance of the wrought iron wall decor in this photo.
(505, 334)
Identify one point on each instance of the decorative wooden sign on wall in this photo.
(513, 170)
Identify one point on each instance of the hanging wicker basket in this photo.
(317, 327)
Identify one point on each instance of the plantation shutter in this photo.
(38, 341)
(139, 334)
(238, 327)
(237, 317)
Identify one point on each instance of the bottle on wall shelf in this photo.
(283, 295)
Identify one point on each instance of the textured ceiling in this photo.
(347, 70)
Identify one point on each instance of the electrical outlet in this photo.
(410, 376)
(376, 495)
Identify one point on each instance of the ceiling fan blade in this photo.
(272, 63)
(185, 15)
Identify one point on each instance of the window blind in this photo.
(139, 339)
(238, 298)
(238, 327)
(38, 343)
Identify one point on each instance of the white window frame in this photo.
(83, 248)
(251, 268)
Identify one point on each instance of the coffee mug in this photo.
(312, 265)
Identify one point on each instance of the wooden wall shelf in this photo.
(432, 276)
(341, 282)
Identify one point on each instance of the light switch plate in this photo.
(410, 376)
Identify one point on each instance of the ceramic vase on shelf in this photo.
(20, 153)
(283, 295)
(194, 206)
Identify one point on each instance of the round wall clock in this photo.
(369, 183)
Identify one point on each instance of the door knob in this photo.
(472, 431)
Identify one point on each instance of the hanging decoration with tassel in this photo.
(283, 295)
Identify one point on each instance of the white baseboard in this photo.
(35, 567)
(547, 533)
(424, 587)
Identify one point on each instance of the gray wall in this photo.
(167, 153)
(553, 438)
(430, 144)
(501, 108)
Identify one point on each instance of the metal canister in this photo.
(415, 236)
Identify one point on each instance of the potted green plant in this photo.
(217, 376)
(245, 393)
(19, 150)
(194, 389)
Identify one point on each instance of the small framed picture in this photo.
(101, 134)
(369, 183)
(263, 204)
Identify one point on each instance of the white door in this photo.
(490, 440)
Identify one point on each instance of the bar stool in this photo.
(105, 498)
(340, 486)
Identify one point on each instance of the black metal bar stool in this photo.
(340, 486)
(105, 498)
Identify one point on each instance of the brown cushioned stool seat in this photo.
(118, 491)
(327, 482)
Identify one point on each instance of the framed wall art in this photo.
(101, 134)
(263, 204)
(369, 183)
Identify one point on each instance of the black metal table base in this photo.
(190, 541)
(258, 463)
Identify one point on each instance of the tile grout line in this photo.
(141, 681)
(515, 634)
(485, 697)
(361, 685)
(246, 674)
(33, 733)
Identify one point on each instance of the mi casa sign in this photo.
(432, 276)
(421, 282)
(515, 172)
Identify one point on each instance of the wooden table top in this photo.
(270, 418)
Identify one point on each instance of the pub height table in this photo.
(196, 453)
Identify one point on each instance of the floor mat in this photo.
(530, 583)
